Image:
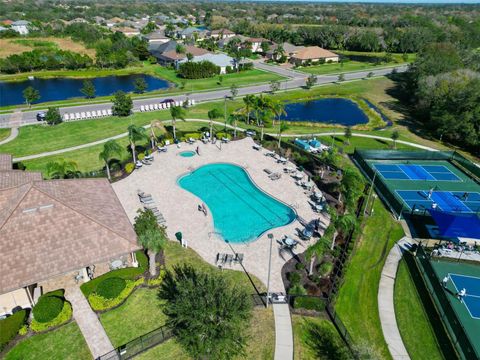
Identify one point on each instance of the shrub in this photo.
(158, 280)
(198, 70)
(229, 70)
(297, 290)
(10, 326)
(325, 269)
(309, 303)
(129, 167)
(141, 156)
(294, 277)
(110, 288)
(64, 315)
(47, 308)
(195, 135)
(99, 303)
(23, 330)
(129, 273)
(299, 266)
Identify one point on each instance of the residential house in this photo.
(256, 44)
(167, 55)
(127, 31)
(115, 21)
(221, 34)
(2, 28)
(225, 41)
(313, 54)
(56, 233)
(7, 22)
(288, 51)
(157, 37)
(189, 33)
(21, 26)
(221, 60)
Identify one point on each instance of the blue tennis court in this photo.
(472, 286)
(448, 201)
(416, 172)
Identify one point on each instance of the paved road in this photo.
(29, 117)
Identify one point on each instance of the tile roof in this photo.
(195, 51)
(313, 52)
(48, 228)
(221, 31)
(5, 162)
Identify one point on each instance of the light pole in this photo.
(270, 236)
(370, 192)
(225, 112)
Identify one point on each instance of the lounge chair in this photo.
(190, 140)
(275, 176)
(229, 259)
(162, 148)
(146, 162)
(138, 164)
(238, 258)
(268, 171)
(221, 259)
(149, 157)
(281, 160)
(225, 140)
(256, 147)
(270, 153)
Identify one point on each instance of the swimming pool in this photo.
(187, 153)
(241, 211)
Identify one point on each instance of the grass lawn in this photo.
(413, 323)
(4, 133)
(357, 299)
(66, 342)
(17, 46)
(302, 350)
(140, 314)
(261, 344)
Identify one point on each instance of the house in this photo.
(21, 26)
(127, 31)
(221, 60)
(288, 51)
(221, 34)
(225, 41)
(167, 55)
(192, 33)
(115, 21)
(56, 233)
(256, 44)
(313, 54)
(157, 37)
(3, 28)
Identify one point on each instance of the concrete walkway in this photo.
(88, 322)
(13, 135)
(119, 136)
(386, 306)
(283, 332)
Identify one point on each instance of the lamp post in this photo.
(270, 236)
(225, 112)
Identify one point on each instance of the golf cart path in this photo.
(119, 136)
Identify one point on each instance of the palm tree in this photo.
(249, 101)
(233, 119)
(110, 149)
(316, 250)
(155, 124)
(135, 133)
(176, 112)
(343, 224)
(212, 115)
(278, 108)
(348, 134)
(62, 169)
(154, 240)
(395, 135)
(281, 128)
(278, 52)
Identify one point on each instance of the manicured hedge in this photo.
(198, 70)
(10, 326)
(129, 273)
(110, 288)
(99, 303)
(47, 308)
(63, 317)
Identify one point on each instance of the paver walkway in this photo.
(386, 306)
(119, 136)
(13, 135)
(88, 322)
(283, 332)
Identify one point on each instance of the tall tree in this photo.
(348, 134)
(212, 115)
(209, 315)
(176, 112)
(311, 81)
(282, 126)
(31, 95)
(122, 104)
(155, 124)
(53, 116)
(274, 86)
(110, 149)
(249, 103)
(316, 251)
(88, 89)
(395, 135)
(135, 134)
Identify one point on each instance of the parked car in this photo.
(250, 133)
(167, 101)
(41, 116)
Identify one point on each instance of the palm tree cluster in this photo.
(62, 169)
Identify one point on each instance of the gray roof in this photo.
(20, 23)
(221, 60)
(158, 34)
(158, 49)
(190, 30)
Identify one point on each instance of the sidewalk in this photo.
(283, 332)
(88, 322)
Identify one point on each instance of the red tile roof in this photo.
(312, 53)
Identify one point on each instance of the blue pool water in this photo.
(241, 211)
(187, 153)
(66, 88)
(329, 111)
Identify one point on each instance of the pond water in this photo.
(337, 111)
(66, 88)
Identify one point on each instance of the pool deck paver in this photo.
(179, 207)
(88, 322)
(386, 306)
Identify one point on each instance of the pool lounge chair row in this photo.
(149, 204)
(87, 115)
(228, 259)
(164, 106)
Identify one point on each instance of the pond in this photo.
(66, 88)
(336, 111)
